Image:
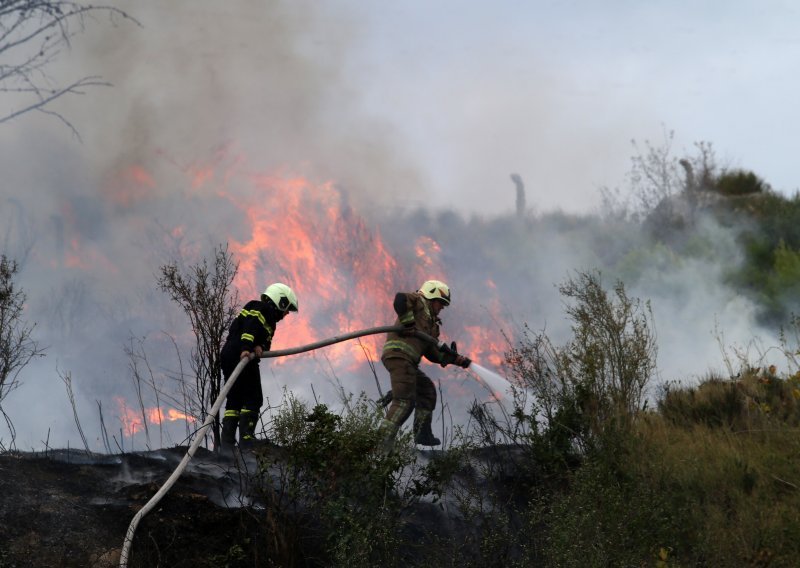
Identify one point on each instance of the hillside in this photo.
(601, 458)
(66, 508)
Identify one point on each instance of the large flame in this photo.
(303, 235)
(307, 235)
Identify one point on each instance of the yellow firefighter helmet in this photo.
(436, 290)
(282, 296)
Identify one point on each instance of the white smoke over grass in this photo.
(698, 317)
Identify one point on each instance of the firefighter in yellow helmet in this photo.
(251, 332)
(412, 390)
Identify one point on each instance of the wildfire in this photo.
(428, 251)
(342, 273)
(133, 419)
(131, 186)
(307, 235)
(483, 345)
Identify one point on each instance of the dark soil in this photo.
(68, 509)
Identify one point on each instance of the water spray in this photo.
(212, 414)
(491, 379)
(504, 391)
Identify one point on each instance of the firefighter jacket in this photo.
(255, 325)
(414, 308)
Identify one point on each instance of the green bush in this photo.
(338, 492)
(592, 387)
(611, 516)
(715, 402)
(732, 490)
(693, 487)
(739, 182)
(758, 399)
(331, 465)
(708, 478)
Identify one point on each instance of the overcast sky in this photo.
(557, 90)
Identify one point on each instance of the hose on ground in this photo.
(223, 393)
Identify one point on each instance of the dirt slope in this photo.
(67, 509)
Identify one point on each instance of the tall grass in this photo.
(710, 479)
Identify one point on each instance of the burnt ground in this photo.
(68, 509)
(64, 508)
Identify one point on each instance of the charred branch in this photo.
(520, 186)
(691, 184)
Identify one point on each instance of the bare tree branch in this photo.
(17, 346)
(67, 378)
(207, 297)
(33, 35)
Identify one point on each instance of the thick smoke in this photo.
(262, 78)
(207, 100)
(248, 90)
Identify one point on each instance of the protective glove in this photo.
(257, 350)
(449, 353)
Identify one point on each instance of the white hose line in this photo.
(123, 558)
(212, 414)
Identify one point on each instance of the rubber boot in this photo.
(398, 413)
(247, 428)
(388, 431)
(423, 433)
(228, 437)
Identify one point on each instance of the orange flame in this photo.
(132, 419)
(483, 346)
(131, 186)
(308, 236)
(428, 251)
(340, 269)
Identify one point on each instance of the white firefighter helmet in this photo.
(436, 290)
(282, 296)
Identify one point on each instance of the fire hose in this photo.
(212, 414)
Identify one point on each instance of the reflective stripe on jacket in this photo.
(254, 325)
(413, 348)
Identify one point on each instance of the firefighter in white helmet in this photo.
(251, 332)
(412, 390)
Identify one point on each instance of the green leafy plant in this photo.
(739, 182)
(331, 464)
(596, 382)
